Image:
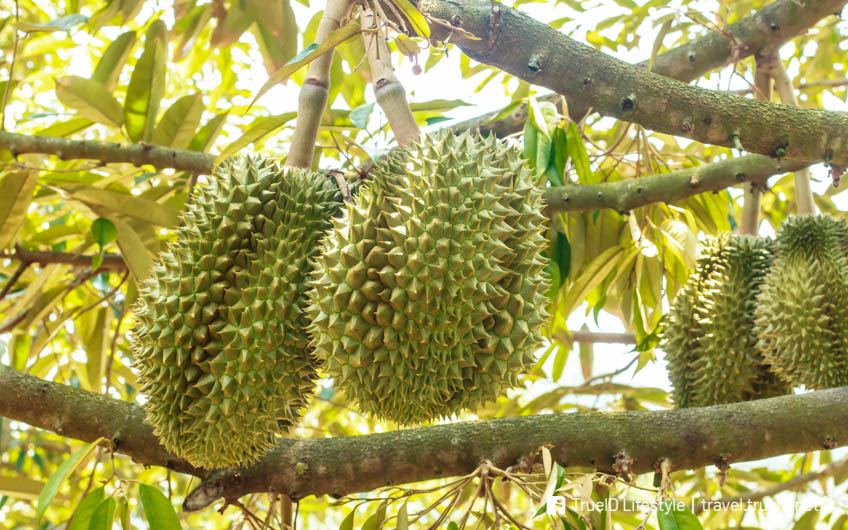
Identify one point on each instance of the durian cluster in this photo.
(425, 298)
(758, 317)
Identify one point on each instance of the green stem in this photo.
(388, 90)
(315, 90)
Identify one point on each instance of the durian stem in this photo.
(315, 90)
(387, 89)
(803, 192)
(752, 196)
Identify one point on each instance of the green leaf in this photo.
(375, 522)
(147, 85)
(419, 23)
(17, 189)
(347, 524)
(402, 518)
(104, 231)
(531, 140)
(579, 157)
(126, 204)
(66, 468)
(158, 510)
(676, 516)
(260, 128)
(437, 105)
(113, 59)
(85, 509)
(103, 515)
(64, 23)
(359, 115)
(208, 133)
(18, 487)
(91, 99)
(335, 38)
(453, 526)
(559, 150)
(124, 514)
(177, 126)
(65, 128)
(587, 357)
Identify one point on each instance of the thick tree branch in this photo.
(767, 29)
(110, 261)
(139, 154)
(690, 438)
(539, 54)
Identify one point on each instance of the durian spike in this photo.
(388, 91)
(315, 90)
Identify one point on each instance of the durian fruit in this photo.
(220, 343)
(429, 292)
(802, 311)
(709, 340)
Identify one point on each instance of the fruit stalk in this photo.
(315, 90)
(753, 196)
(388, 91)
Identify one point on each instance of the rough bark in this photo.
(766, 30)
(530, 50)
(690, 438)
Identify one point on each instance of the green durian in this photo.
(709, 340)
(429, 293)
(802, 311)
(220, 342)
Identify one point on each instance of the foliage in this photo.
(185, 75)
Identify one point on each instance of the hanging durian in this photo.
(429, 292)
(802, 311)
(220, 343)
(709, 340)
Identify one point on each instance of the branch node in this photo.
(830, 443)
(622, 465)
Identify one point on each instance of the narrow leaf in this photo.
(208, 133)
(402, 518)
(359, 115)
(158, 509)
(66, 468)
(91, 99)
(347, 524)
(85, 509)
(260, 128)
(579, 157)
(104, 231)
(20, 487)
(64, 23)
(113, 59)
(419, 23)
(177, 126)
(335, 38)
(15, 199)
(126, 204)
(147, 85)
(676, 516)
(103, 515)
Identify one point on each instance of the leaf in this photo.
(579, 157)
(65, 128)
(260, 128)
(658, 42)
(419, 23)
(437, 105)
(591, 277)
(158, 510)
(17, 189)
(135, 253)
(208, 133)
(531, 140)
(375, 522)
(402, 518)
(66, 468)
(335, 38)
(676, 516)
(64, 23)
(20, 487)
(104, 231)
(103, 515)
(147, 85)
(359, 115)
(124, 514)
(85, 509)
(587, 357)
(113, 59)
(126, 204)
(407, 46)
(347, 524)
(177, 126)
(91, 99)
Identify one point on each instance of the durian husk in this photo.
(429, 293)
(802, 311)
(220, 341)
(708, 340)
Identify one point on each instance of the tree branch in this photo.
(110, 261)
(753, 35)
(690, 438)
(537, 53)
(139, 154)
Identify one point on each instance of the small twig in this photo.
(110, 261)
(14, 279)
(11, 68)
